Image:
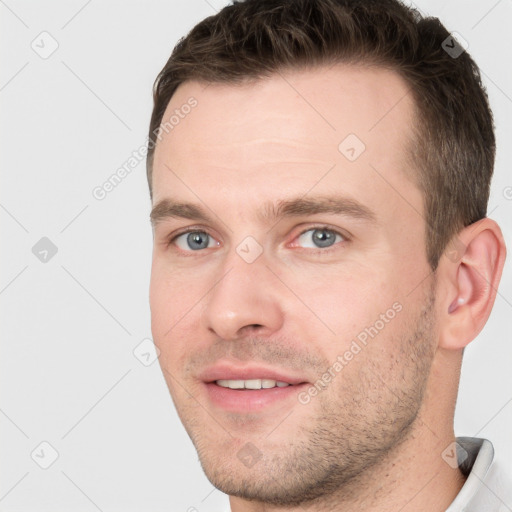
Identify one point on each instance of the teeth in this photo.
(235, 384)
(251, 384)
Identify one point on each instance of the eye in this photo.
(316, 238)
(194, 240)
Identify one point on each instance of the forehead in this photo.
(284, 126)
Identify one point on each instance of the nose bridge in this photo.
(243, 295)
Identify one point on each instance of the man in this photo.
(319, 174)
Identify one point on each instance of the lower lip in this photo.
(250, 400)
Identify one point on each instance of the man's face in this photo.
(306, 267)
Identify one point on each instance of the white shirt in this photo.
(487, 489)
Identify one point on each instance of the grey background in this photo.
(69, 375)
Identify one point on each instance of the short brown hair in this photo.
(453, 146)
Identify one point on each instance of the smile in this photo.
(251, 384)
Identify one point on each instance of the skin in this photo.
(373, 438)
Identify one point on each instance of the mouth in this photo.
(246, 390)
(251, 384)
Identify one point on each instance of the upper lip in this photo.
(227, 371)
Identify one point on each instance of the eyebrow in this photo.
(270, 212)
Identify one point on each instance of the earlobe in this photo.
(471, 283)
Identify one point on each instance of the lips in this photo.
(227, 372)
(250, 388)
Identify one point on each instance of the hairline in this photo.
(418, 126)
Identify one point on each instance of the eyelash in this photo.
(329, 249)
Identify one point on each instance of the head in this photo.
(319, 172)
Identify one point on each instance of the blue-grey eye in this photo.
(195, 241)
(319, 238)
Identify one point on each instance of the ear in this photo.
(469, 273)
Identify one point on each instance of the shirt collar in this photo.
(474, 456)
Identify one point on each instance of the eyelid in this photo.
(346, 237)
(338, 231)
(170, 239)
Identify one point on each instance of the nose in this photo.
(245, 300)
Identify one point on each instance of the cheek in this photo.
(341, 303)
(171, 310)
(172, 293)
(162, 304)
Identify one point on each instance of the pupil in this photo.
(323, 238)
(197, 240)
